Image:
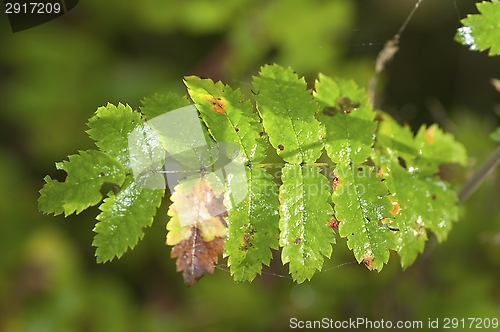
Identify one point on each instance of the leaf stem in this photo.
(478, 177)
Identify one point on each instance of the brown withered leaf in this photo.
(195, 256)
(197, 228)
(196, 205)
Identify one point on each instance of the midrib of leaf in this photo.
(230, 119)
(289, 119)
(110, 127)
(87, 172)
(233, 125)
(253, 227)
(288, 113)
(305, 234)
(360, 224)
(123, 218)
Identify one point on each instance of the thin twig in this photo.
(479, 176)
(386, 55)
(403, 27)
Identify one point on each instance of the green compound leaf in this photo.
(482, 31)
(253, 227)
(123, 217)
(287, 110)
(305, 213)
(86, 174)
(224, 195)
(348, 120)
(159, 104)
(228, 116)
(361, 208)
(437, 147)
(110, 127)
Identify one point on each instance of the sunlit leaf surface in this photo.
(306, 237)
(122, 220)
(87, 172)
(482, 31)
(287, 110)
(253, 227)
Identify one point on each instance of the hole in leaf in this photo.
(107, 187)
(335, 182)
(402, 162)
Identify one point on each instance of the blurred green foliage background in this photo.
(53, 77)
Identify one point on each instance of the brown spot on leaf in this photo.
(395, 208)
(281, 147)
(429, 136)
(195, 256)
(335, 182)
(368, 261)
(330, 111)
(433, 197)
(246, 237)
(218, 104)
(236, 129)
(333, 223)
(380, 172)
(345, 104)
(297, 240)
